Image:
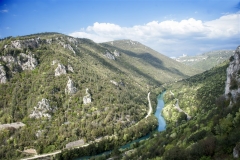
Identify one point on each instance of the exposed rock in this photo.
(116, 53)
(87, 99)
(29, 43)
(67, 46)
(114, 82)
(232, 87)
(24, 61)
(70, 68)
(14, 125)
(27, 62)
(70, 88)
(9, 59)
(72, 40)
(43, 109)
(236, 151)
(49, 41)
(61, 69)
(109, 55)
(16, 44)
(54, 62)
(3, 77)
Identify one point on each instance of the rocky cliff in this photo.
(232, 88)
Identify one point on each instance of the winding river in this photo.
(161, 127)
(158, 113)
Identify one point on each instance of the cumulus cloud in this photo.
(185, 35)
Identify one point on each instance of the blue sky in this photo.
(172, 27)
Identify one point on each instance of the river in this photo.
(161, 127)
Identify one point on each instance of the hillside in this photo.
(212, 131)
(148, 61)
(67, 92)
(206, 60)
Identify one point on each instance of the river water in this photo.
(158, 113)
(161, 127)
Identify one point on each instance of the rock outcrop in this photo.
(61, 69)
(116, 53)
(27, 62)
(232, 88)
(236, 151)
(109, 55)
(87, 99)
(114, 82)
(29, 43)
(67, 46)
(3, 77)
(24, 61)
(70, 68)
(70, 88)
(43, 109)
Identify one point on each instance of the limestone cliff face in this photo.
(27, 62)
(21, 62)
(61, 69)
(42, 109)
(232, 88)
(29, 43)
(70, 88)
(87, 99)
(3, 77)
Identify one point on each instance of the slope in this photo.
(67, 90)
(146, 60)
(213, 130)
(206, 60)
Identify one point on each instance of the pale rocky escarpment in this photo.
(67, 46)
(116, 53)
(109, 55)
(232, 88)
(24, 61)
(70, 88)
(43, 109)
(29, 43)
(27, 62)
(3, 77)
(70, 68)
(236, 151)
(61, 69)
(87, 99)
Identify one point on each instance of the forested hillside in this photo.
(212, 129)
(57, 89)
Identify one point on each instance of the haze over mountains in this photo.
(206, 60)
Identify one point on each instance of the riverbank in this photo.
(105, 138)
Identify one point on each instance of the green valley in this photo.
(64, 90)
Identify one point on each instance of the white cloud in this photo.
(4, 11)
(184, 36)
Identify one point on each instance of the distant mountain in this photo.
(67, 91)
(206, 60)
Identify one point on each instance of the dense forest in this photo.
(65, 89)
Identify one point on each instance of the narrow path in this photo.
(180, 110)
(150, 106)
(42, 155)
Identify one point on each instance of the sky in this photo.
(171, 27)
